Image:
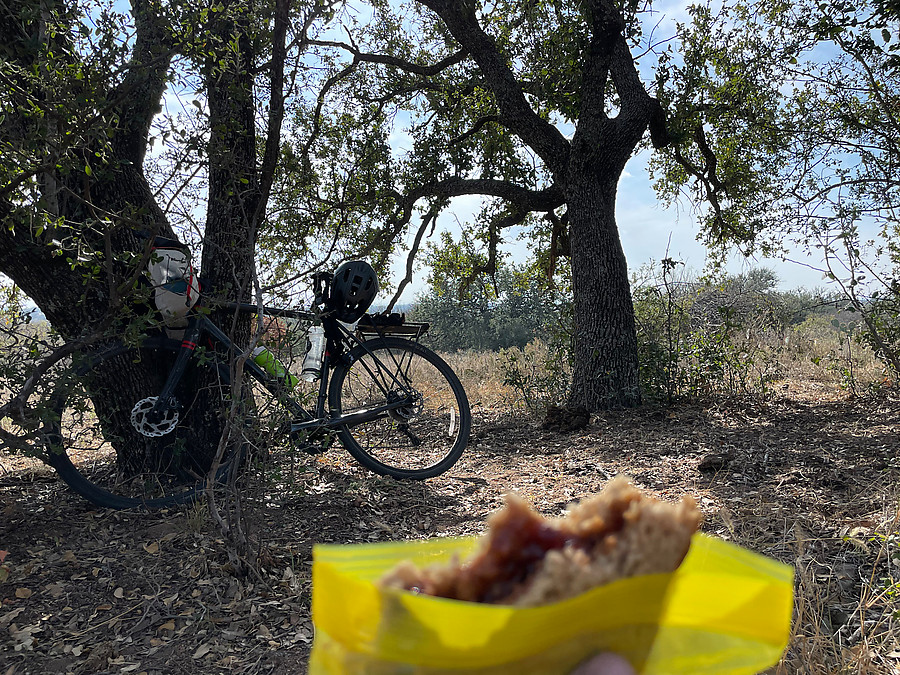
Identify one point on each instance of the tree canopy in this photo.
(786, 121)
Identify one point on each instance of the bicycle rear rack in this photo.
(375, 327)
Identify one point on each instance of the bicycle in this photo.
(120, 432)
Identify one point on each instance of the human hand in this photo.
(604, 664)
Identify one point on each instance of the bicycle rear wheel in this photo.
(425, 432)
(102, 441)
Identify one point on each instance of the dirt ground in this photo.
(810, 479)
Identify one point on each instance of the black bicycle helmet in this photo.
(353, 290)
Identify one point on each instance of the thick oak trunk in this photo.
(189, 447)
(606, 365)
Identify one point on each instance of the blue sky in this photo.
(648, 228)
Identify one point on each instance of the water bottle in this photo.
(270, 363)
(312, 362)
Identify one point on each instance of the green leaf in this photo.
(87, 170)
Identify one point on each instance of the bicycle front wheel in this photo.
(103, 439)
(426, 425)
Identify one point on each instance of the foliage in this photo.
(516, 311)
(883, 322)
(787, 123)
(784, 118)
(699, 338)
(509, 309)
(539, 373)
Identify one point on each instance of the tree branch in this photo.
(320, 102)
(525, 199)
(606, 25)
(474, 130)
(638, 108)
(515, 112)
(388, 60)
(490, 267)
(141, 90)
(427, 222)
(276, 108)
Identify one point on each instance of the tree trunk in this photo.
(185, 450)
(102, 207)
(606, 364)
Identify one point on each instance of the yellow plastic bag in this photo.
(724, 611)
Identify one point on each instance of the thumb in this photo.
(604, 664)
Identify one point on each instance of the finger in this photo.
(604, 664)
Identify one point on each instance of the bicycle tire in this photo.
(418, 441)
(99, 390)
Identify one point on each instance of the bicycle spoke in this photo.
(423, 434)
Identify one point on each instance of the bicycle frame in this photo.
(199, 326)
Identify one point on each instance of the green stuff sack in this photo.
(724, 611)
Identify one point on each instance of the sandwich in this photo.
(527, 560)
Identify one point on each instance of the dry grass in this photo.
(482, 377)
(815, 351)
(847, 597)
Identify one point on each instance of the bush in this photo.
(697, 339)
(539, 373)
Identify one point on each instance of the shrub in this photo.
(539, 373)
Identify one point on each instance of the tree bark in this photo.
(234, 190)
(606, 366)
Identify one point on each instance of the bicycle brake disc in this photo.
(152, 424)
